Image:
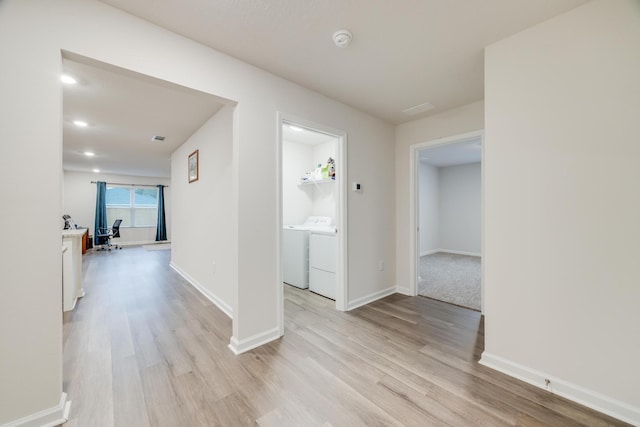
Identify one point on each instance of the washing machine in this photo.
(295, 256)
(295, 249)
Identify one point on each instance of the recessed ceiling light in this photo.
(80, 123)
(66, 78)
(296, 128)
(89, 153)
(96, 170)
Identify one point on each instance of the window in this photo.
(136, 206)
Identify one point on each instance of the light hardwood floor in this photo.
(143, 348)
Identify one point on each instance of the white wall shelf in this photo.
(320, 181)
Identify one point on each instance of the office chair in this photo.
(104, 236)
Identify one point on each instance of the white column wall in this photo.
(562, 205)
(31, 173)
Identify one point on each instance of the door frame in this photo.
(342, 286)
(414, 215)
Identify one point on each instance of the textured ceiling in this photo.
(404, 52)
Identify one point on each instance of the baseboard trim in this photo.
(241, 346)
(431, 252)
(404, 291)
(450, 251)
(51, 417)
(226, 309)
(370, 298)
(133, 243)
(581, 395)
(139, 242)
(454, 252)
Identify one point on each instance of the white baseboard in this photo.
(226, 309)
(370, 298)
(581, 395)
(139, 242)
(454, 252)
(431, 252)
(51, 417)
(404, 291)
(133, 243)
(155, 242)
(240, 346)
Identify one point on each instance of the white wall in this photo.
(80, 202)
(31, 261)
(300, 202)
(296, 200)
(562, 204)
(32, 129)
(428, 190)
(324, 195)
(453, 122)
(204, 243)
(459, 202)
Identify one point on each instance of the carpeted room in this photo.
(449, 212)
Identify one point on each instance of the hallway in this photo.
(143, 348)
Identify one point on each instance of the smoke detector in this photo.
(342, 38)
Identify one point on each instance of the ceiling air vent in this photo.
(157, 138)
(419, 109)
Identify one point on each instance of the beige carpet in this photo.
(158, 247)
(451, 278)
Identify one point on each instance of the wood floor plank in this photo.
(195, 398)
(129, 404)
(160, 397)
(145, 348)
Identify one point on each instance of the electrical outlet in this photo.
(547, 383)
(381, 265)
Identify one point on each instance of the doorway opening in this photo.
(312, 210)
(137, 133)
(447, 208)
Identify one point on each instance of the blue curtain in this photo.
(161, 233)
(101, 212)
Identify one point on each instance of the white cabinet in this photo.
(322, 264)
(72, 268)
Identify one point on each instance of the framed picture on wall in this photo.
(193, 167)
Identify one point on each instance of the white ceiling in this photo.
(459, 153)
(404, 52)
(124, 111)
(295, 133)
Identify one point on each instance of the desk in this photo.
(72, 268)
